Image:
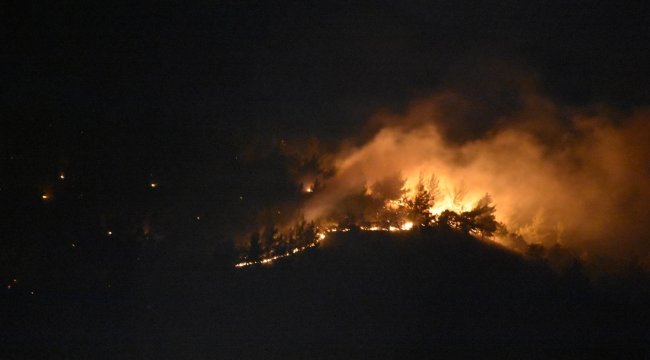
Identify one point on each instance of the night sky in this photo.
(140, 142)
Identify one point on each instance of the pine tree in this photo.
(481, 219)
(423, 200)
(254, 252)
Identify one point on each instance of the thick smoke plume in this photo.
(577, 177)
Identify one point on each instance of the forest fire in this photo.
(553, 182)
(304, 236)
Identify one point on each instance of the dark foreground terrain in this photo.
(370, 295)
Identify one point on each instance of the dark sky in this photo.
(304, 67)
(117, 95)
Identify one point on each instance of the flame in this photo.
(581, 167)
(308, 185)
(320, 236)
(269, 260)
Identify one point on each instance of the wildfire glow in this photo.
(556, 175)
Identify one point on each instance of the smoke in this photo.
(577, 177)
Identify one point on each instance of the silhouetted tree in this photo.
(269, 236)
(481, 219)
(303, 233)
(448, 220)
(387, 216)
(254, 251)
(418, 207)
(282, 246)
(308, 233)
(512, 240)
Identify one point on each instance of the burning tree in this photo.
(481, 219)
(419, 207)
(448, 219)
(270, 236)
(384, 206)
(478, 221)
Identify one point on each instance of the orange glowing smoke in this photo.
(582, 183)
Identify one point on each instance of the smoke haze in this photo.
(557, 174)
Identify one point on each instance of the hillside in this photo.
(370, 294)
